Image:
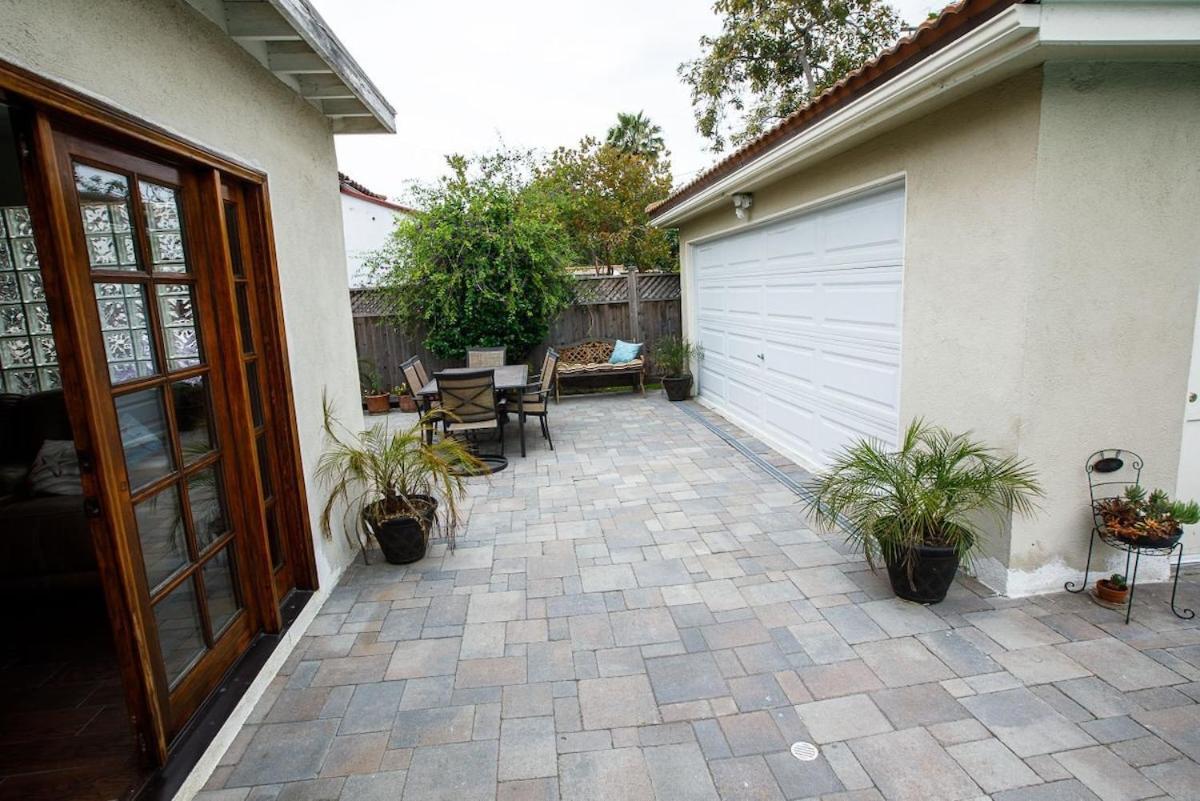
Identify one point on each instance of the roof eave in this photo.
(291, 40)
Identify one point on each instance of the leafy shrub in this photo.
(482, 264)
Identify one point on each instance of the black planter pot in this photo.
(933, 571)
(677, 388)
(403, 540)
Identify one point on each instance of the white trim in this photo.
(895, 178)
(1019, 37)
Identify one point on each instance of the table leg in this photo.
(521, 417)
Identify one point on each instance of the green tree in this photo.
(600, 193)
(773, 56)
(637, 134)
(484, 262)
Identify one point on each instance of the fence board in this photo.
(602, 310)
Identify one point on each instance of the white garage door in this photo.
(800, 324)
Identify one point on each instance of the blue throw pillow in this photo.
(625, 352)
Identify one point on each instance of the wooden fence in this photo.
(638, 307)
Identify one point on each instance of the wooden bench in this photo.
(585, 363)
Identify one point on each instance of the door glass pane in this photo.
(163, 227)
(124, 329)
(162, 535)
(28, 358)
(264, 466)
(104, 206)
(243, 309)
(180, 635)
(143, 423)
(256, 410)
(220, 589)
(273, 543)
(177, 311)
(206, 498)
(235, 245)
(190, 397)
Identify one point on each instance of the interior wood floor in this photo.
(64, 732)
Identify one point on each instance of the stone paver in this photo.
(644, 614)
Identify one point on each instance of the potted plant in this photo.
(374, 395)
(1113, 590)
(1146, 520)
(406, 401)
(673, 358)
(922, 507)
(391, 485)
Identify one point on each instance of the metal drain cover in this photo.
(805, 752)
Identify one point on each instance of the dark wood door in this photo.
(147, 286)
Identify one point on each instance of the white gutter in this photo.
(1017, 38)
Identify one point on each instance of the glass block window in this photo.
(125, 331)
(104, 206)
(28, 359)
(163, 227)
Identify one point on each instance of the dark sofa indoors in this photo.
(44, 538)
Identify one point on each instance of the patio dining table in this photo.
(508, 377)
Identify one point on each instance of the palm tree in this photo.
(637, 133)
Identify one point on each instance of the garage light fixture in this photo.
(742, 202)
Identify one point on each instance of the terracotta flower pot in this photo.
(377, 404)
(1108, 593)
(408, 404)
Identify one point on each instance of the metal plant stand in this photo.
(1116, 467)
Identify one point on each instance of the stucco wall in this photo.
(969, 172)
(164, 62)
(367, 226)
(1112, 292)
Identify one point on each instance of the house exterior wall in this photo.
(1111, 296)
(966, 230)
(178, 70)
(1052, 261)
(367, 226)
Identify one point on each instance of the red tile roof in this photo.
(353, 188)
(933, 34)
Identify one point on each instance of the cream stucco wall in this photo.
(164, 62)
(1051, 272)
(1112, 293)
(968, 170)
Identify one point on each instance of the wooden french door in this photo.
(252, 341)
(153, 290)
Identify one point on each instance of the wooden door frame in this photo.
(49, 101)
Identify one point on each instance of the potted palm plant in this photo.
(922, 507)
(673, 358)
(391, 485)
(375, 397)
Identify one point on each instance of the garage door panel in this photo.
(798, 240)
(866, 225)
(790, 419)
(796, 301)
(743, 396)
(820, 297)
(864, 304)
(742, 351)
(790, 363)
(863, 377)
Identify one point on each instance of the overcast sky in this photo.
(466, 74)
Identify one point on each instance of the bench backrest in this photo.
(588, 351)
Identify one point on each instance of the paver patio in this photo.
(644, 614)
